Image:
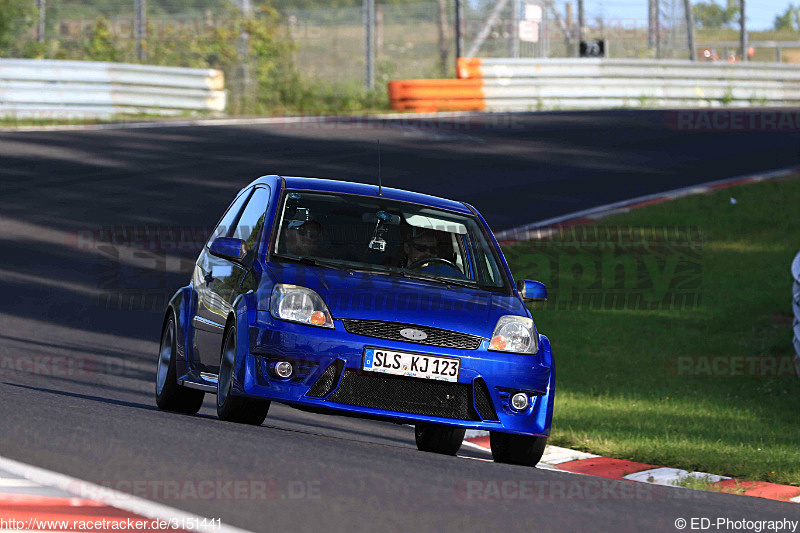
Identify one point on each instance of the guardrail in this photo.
(34, 87)
(499, 84)
(796, 310)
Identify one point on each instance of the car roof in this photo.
(364, 189)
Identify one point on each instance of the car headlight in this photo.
(514, 334)
(299, 304)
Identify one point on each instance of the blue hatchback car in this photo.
(351, 299)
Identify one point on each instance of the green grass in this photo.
(77, 120)
(705, 483)
(313, 98)
(616, 392)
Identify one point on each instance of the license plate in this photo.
(411, 364)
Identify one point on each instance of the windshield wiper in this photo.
(410, 275)
(397, 272)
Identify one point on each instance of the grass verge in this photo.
(619, 391)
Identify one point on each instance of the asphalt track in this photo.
(96, 420)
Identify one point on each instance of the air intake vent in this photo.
(432, 336)
(405, 395)
(327, 381)
(483, 401)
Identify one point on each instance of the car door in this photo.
(223, 278)
(205, 329)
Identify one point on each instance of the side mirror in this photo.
(228, 248)
(532, 291)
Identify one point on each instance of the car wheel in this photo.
(231, 408)
(439, 439)
(169, 395)
(522, 450)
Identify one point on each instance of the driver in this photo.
(422, 245)
(302, 237)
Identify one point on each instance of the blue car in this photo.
(352, 299)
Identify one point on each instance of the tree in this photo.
(789, 21)
(101, 45)
(711, 15)
(15, 17)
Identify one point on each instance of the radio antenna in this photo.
(380, 192)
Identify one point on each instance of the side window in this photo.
(491, 268)
(224, 226)
(248, 228)
(486, 271)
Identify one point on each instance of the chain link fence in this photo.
(412, 39)
(417, 40)
(328, 46)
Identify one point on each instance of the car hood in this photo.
(395, 299)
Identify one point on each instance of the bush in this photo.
(16, 16)
(254, 52)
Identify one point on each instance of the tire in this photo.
(436, 438)
(522, 450)
(169, 395)
(232, 408)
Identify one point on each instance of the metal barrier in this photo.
(796, 310)
(579, 83)
(33, 87)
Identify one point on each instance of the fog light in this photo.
(283, 369)
(520, 402)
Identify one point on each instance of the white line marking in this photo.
(522, 232)
(671, 476)
(15, 482)
(658, 476)
(111, 497)
(554, 455)
(475, 446)
(711, 478)
(475, 458)
(542, 465)
(796, 499)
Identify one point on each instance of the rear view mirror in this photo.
(228, 248)
(532, 291)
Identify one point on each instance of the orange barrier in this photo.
(425, 96)
(503, 84)
(469, 68)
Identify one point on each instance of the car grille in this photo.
(406, 395)
(391, 331)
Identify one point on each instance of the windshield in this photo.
(386, 236)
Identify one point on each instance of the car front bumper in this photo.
(313, 350)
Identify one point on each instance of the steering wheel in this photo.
(420, 262)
